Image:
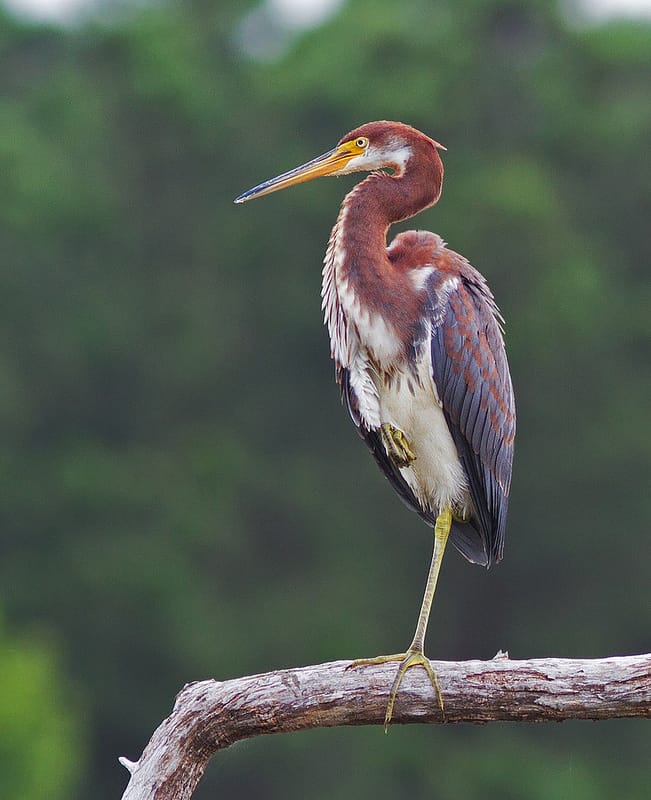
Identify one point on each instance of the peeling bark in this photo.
(210, 715)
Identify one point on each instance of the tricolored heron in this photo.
(417, 342)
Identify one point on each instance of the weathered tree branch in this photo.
(209, 716)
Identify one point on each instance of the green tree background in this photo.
(183, 497)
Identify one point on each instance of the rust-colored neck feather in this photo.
(372, 206)
(359, 278)
(392, 198)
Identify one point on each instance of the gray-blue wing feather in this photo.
(471, 374)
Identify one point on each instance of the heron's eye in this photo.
(362, 143)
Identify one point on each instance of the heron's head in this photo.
(373, 146)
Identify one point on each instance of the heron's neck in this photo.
(376, 203)
(358, 278)
(393, 198)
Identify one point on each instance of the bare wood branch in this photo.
(210, 715)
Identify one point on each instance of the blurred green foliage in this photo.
(182, 494)
(41, 746)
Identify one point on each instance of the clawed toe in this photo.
(412, 658)
(397, 446)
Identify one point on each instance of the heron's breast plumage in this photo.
(389, 368)
(409, 401)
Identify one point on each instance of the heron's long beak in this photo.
(327, 164)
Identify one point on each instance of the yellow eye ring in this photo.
(362, 142)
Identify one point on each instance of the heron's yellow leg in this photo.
(415, 655)
(397, 445)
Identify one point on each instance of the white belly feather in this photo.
(436, 476)
(410, 403)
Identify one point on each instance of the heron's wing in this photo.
(472, 379)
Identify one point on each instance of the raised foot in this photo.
(398, 448)
(412, 658)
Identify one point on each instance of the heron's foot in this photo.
(398, 448)
(412, 658)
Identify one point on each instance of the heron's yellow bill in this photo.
(329, 163)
